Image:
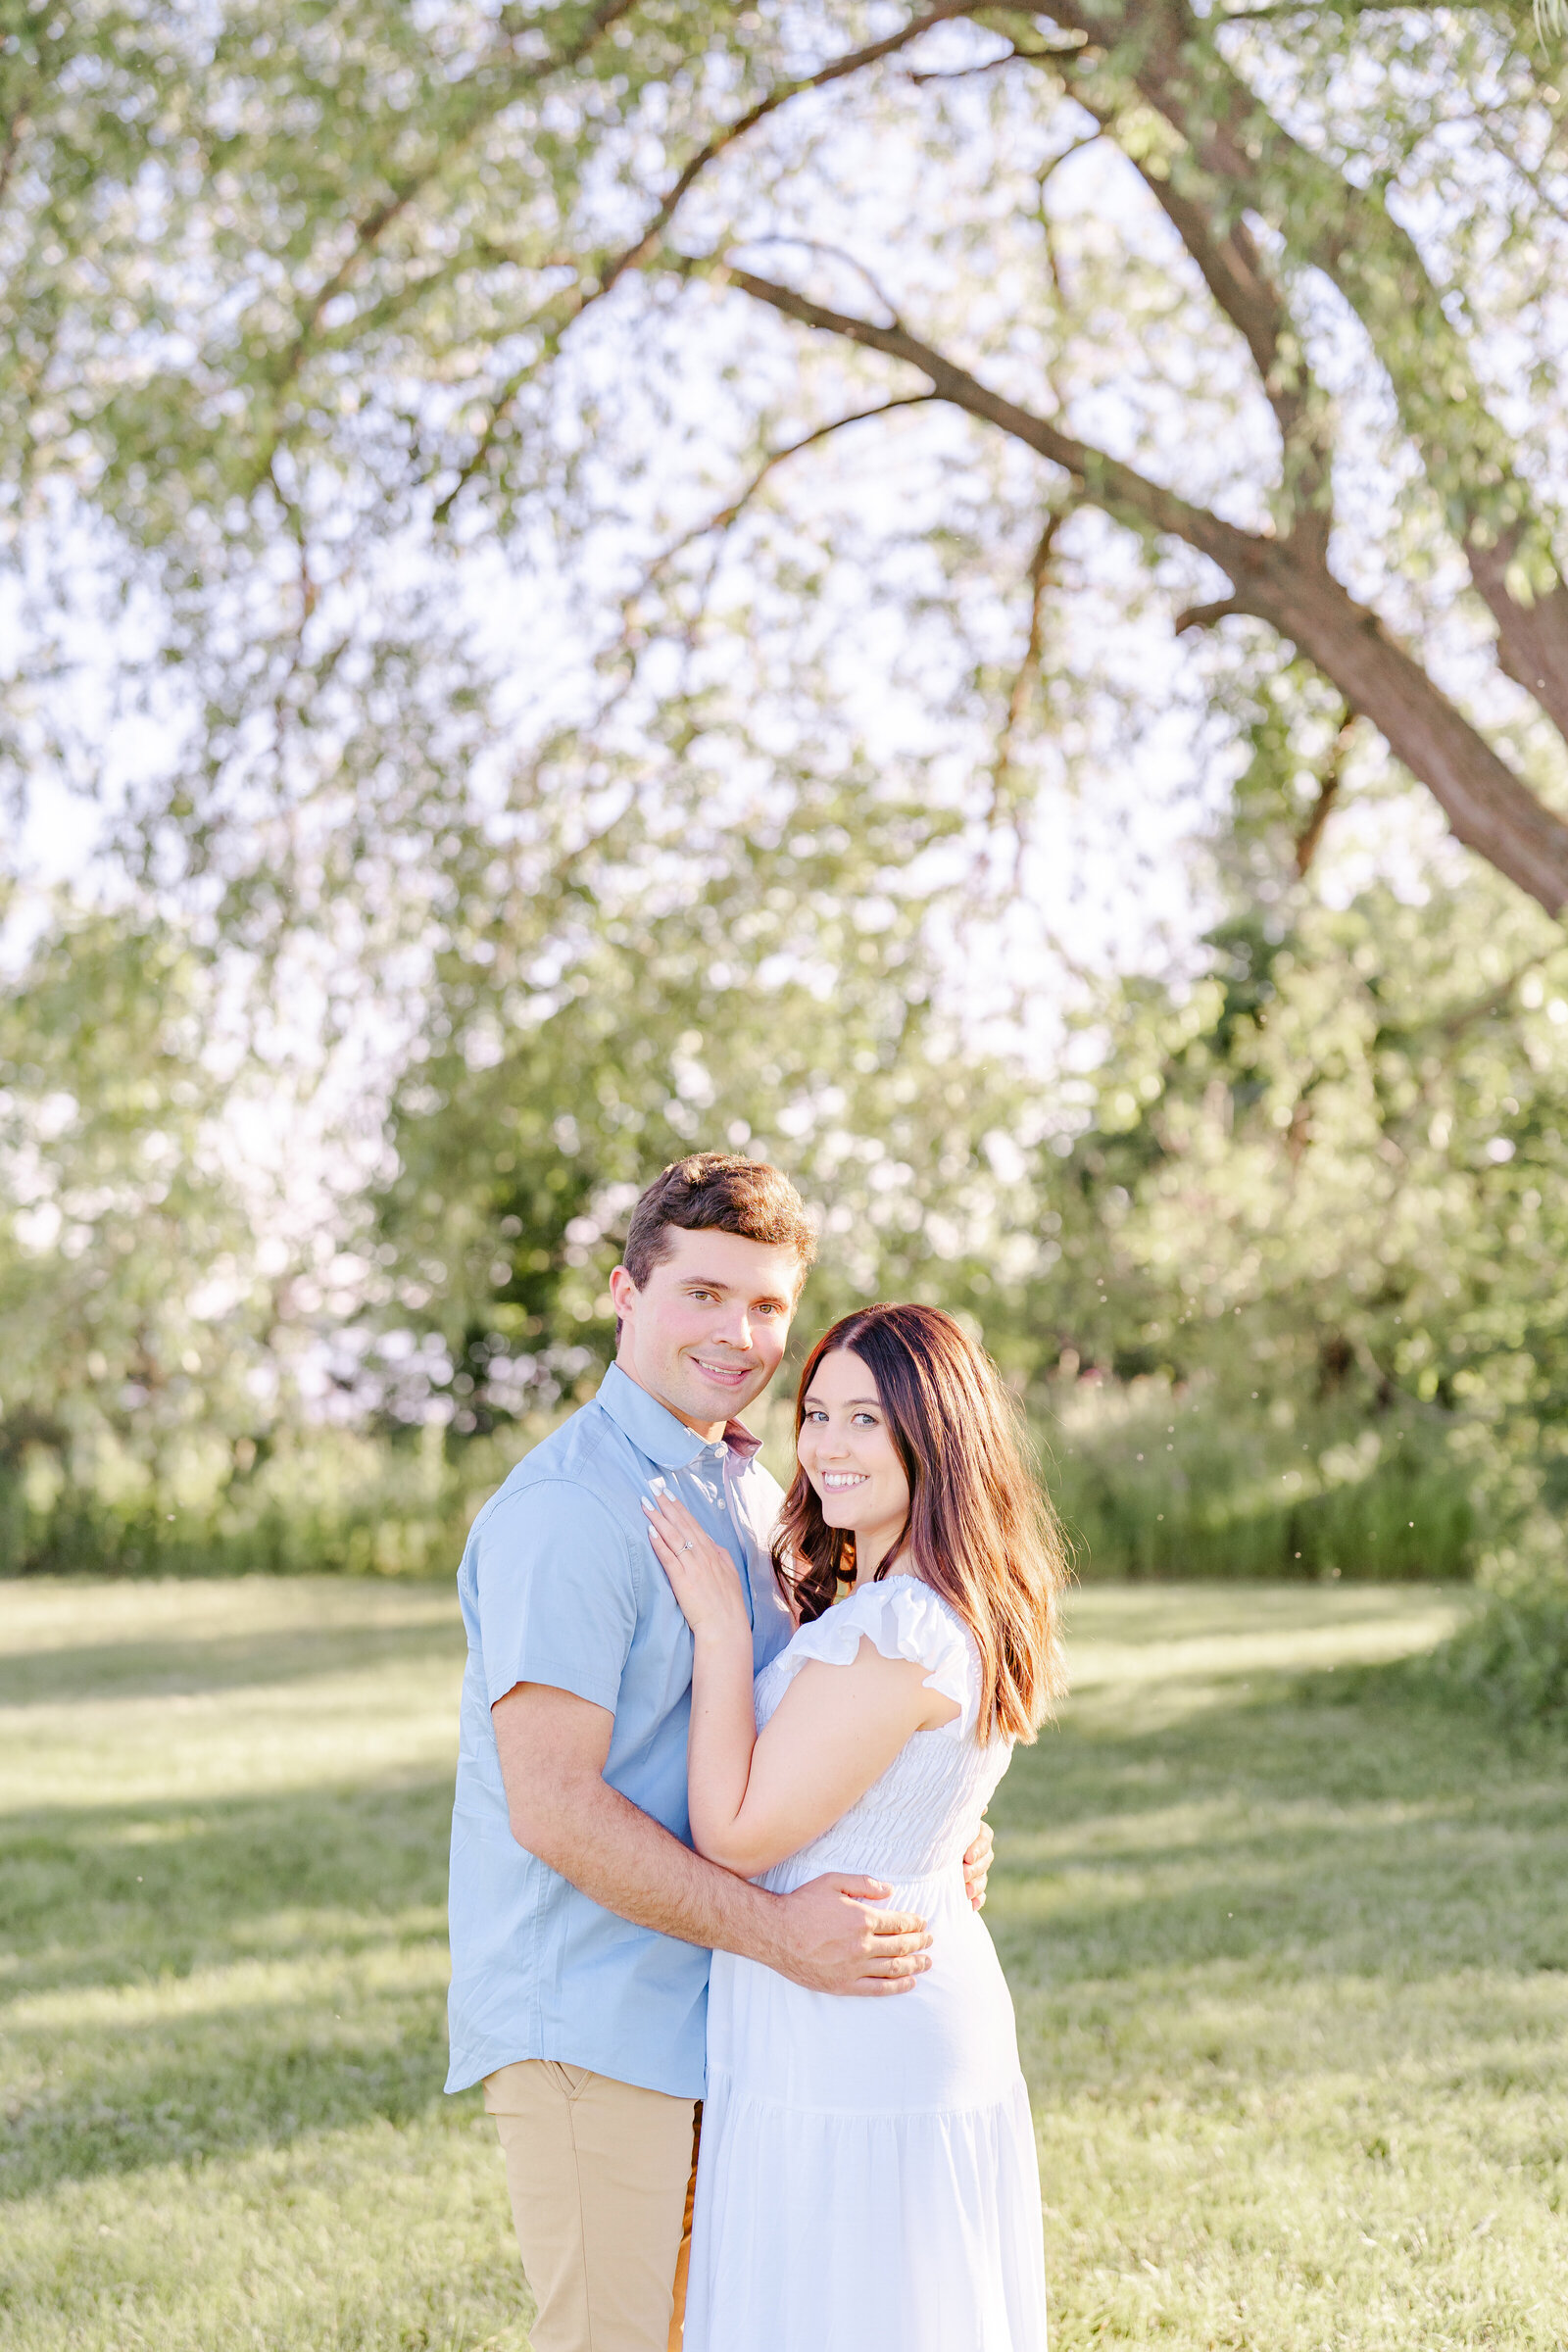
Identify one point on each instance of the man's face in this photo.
(705, 1333)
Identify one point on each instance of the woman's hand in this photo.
(703, 1577)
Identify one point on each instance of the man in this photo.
(581, 1920)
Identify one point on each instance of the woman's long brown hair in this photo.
(980, 1528)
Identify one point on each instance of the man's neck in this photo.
(708, 1431)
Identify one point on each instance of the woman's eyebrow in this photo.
(811, 1397)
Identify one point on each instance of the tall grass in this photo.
(1154, 1484)
(1160, 1484)
(328, 1500)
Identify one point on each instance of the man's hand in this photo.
(831, 1939)
(978, 1866)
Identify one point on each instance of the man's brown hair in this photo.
(718, 1191)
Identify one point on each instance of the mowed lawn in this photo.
(1292, 1975)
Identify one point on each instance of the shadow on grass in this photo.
(175, 1668)
(1379, 1838)
(344, 1887)
(125, 1895)
(1383, 1837)
(185, 2090)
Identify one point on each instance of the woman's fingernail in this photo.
(649, 1508)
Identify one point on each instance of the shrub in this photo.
(1513, 1655)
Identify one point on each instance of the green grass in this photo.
(1292, 1982)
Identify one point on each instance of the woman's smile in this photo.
(847, 1450)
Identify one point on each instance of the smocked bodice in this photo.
(919, 1817)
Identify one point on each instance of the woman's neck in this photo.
(871, 1550)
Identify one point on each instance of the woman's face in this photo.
(846, 1450)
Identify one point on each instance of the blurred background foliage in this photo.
(497, 692)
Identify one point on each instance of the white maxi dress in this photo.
(867, 2173)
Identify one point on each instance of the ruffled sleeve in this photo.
(905, 1619)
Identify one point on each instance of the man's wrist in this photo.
(758, 1925)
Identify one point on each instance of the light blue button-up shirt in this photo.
(559, 1584)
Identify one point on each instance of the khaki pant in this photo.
(601, 2176)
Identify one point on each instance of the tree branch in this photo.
(1233, 270)
(1250, 159)
(368, 232)
(1205, 617)
(1278, 582)
(1234, 273)
(854, 62)
(725, 515)
(633, 257)
(1003, 796)
(1328, 792)
(1119, 489)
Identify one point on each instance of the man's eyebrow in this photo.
(711, 1281)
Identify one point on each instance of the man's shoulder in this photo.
(586, 1450)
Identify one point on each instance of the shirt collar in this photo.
(655, 1432)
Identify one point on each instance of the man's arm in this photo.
(554, 1746)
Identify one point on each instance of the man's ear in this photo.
(622, 1290)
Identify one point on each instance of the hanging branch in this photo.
(1328, 792)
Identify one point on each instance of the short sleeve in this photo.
(905, 1619)
(556, 1591)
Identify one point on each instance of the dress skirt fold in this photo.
(867, 2174)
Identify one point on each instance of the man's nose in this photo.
(736, 1329)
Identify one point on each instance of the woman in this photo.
(867, 2171)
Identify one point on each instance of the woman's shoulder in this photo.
(904, 1617)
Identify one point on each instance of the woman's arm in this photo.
(837, 1729)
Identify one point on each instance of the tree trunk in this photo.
(1284, 583)
(1254, 163)
(1488, 807)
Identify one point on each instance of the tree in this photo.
(413, 276)
(600, 1009)
(135, 1320)
(1329, 1169)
